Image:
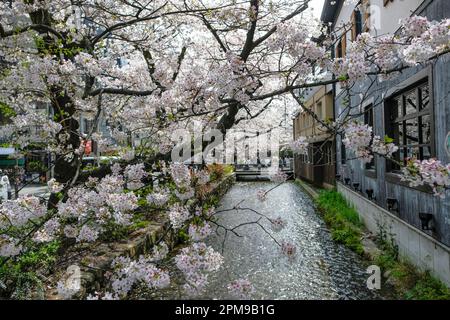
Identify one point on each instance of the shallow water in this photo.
(321, 269)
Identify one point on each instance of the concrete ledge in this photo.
(307, 188)
(414, 245)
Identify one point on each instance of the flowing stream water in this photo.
(321, 269)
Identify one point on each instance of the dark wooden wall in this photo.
(321, 169)
(411, 200)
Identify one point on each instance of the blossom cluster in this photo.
(383, 147)
(261, 195)
(178, 214)
(128, 272)
(278, 224)
(158, 197)
(289, 249)
(358, 138)
(418, 41)
(181, 174)
(431, 172)
(9, 247)
(196, 261)
(241, 288)
(199, 232)
(19, 212)
(202, 176)
(102, 202)
(300, 146)
(134, 175)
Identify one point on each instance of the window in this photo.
(328, 153)
(356, 24)
(368, 119)
(366, 11)
(410, 125)
(319, 112)
(88, 125)
(341, 47)
(343, 154)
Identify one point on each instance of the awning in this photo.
(6, 151)
(11, 162)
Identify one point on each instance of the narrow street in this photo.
(321, 269)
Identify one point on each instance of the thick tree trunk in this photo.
(66, 168)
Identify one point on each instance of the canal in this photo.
(321, 269)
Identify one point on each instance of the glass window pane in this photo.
(399, 134)
(425, 96)
(413, 136)
(401, 154)
(412, 153)
(426, 153)
(412, 131)
(368, 115)
(411, 102)
(396, 108)
(425, 126)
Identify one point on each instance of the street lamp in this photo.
(370, 194)
(392, 204)
(425, 219)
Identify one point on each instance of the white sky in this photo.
(317, 6)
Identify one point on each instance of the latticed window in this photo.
(411, 124)
(357, 24)
(369, 120)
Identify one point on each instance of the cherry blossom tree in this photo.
(151, 67)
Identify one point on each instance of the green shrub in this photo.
(343, 220)
(409, 283)
(22, 276)
(334, 203)
(228, 169)
(216, 171)
(428, 288)
(385, 261)
(348, 237)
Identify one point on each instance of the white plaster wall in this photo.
(414, 245)
(385, 19)
(344, 17)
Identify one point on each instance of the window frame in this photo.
(370, 167)
(357, 24)
(343, 154)
(341, 46)
(366, 15)
(415, 81)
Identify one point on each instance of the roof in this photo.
(330, 11)
(7, 151)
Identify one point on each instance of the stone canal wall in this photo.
(414, 245)
(97, 259)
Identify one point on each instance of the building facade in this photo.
(414, 110)
(318, 165)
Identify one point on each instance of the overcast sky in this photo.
(317, 5)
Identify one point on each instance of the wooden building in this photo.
(318, 166)
(413, 108)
